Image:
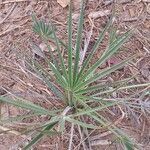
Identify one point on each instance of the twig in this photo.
(86, 44)
(9, 30)
(11, 131)
(71, 137)
(82, 140)
(100, 135)
(9, 13)
(13, 1)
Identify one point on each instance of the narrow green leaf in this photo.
(123, 88)
(63, 68)
(109, 104)
(59, 77)
(117, 132)
(112, 36)
(41, 28)
(95, 47)
(39, 136)
(52, 57)
(78, 41)
(108, 53)
(127, 143)
(44, 30)
(41, 125)
(80, 123)
(70, 44)
(104, 73)
(19, 102)
(51, 85)
(19, 118)
(103, 86)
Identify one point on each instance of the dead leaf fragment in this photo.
(37, 50)
(75, 17)
(43, 47)
(124, 1)
(100, 142)
(63, 3)
(108, 2)
(147, 1)
(76, 4)
(97, 14)
(148, 8)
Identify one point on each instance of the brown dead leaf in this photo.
(144, 67)
(148, 8)
(75, 17)
(100, 142)
(108, 2)
(148, 1)
(76, 4)
(124, 1)
(44, 47)
(63, 3)
(97, 14)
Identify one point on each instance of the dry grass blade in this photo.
(12, 1)
(71, 137)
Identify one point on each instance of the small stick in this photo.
(11, 131)
(13, 1)
(9, 13)
(71, 137)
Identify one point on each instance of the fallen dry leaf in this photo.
(148, 1)
(44, 47)
(124, 1)
(100, 142)
(108, 2)
(75, 17)
(144, 67)
(98, 14)
(148, 8)
(36, 49)
(76, 4)
(63, 3)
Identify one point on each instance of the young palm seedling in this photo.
(74, 84)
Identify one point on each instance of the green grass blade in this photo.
(112, 36)
(19, 102)
(59, 77)
(127, 143)
(78, 41)
(103, 86)
(50, 84)
(117, 132)
(52, 57)
(62, 64)
(108, 53)
(108, 104)
(95, 47)
(39, 136)
(104, 72)
(19, 118)
(123, 88)
(70, 73)
(80, 123)
(124, 139)
(39, 52)
(42, 29)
